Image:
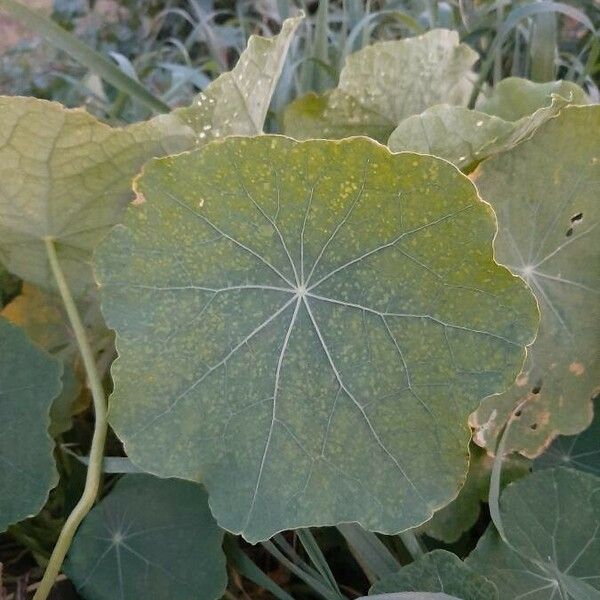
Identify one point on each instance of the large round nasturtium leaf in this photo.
(305, 326)
(29, 381)
(385, 83)
(438, 571)
(149, 538)
(551, 520)
(66, 176)
(466, 137)
(545, 193)
(581, 452)
(514, 98)
(411, 596)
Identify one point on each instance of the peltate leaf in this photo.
(514, 98)
(450, 522)
(304, 327)
(438, 571)
(580, 451)
(385, 83)
(29, 382)
(466, 137)
(545, 193)
(67, 176)
(410, 596)
(552, 522)
(149, 538)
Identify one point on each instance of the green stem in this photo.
(411, 543)
(94, 472)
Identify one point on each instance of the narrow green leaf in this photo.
(308, 541)
(88, 57)
(369, 551)
(29, 382)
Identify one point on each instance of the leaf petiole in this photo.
(94, 472)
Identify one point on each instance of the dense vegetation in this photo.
(300, 306)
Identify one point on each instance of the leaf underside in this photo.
(383, 84)
(305, 326)
(67, 176)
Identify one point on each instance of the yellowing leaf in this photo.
(305, 327)
(545, 193)
(385, 83)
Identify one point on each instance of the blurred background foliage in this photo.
(176, 47)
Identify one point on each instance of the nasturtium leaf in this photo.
(149, 538)
(29, 382)
(466, 137)
(545, 194)
(450, 522)
(438, 571)
(42, 316)
(305, 326)
(385, 83)
(552, 523)
(580, 451)
(66, 176)
(514, 98)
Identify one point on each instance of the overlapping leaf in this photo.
(438, 571)
(580, 451)
(514, 98)
(66, 176)
(552, 523)
(149, 538)
(466, 137)
(449, 523)
(545, 193)
(385, 83)
(305, 326)
(29, 382)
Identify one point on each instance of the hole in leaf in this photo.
(536, 389)
(575, 219)
(518, 413)
(533, 426)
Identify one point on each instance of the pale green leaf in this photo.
(385, 83)
(29, 382)
(438, 571)
(287, 315)
(545, 194)
(466, 137)
(580, 451)
(450, 522)
(514, 98)
(552, 522)
(149, 538)
(67, 177)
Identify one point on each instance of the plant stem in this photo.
(411, 543)
(94, 472)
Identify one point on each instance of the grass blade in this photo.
(543, 48)
(88, 57)
(308, 541)
(244, 565)
(369, 551)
